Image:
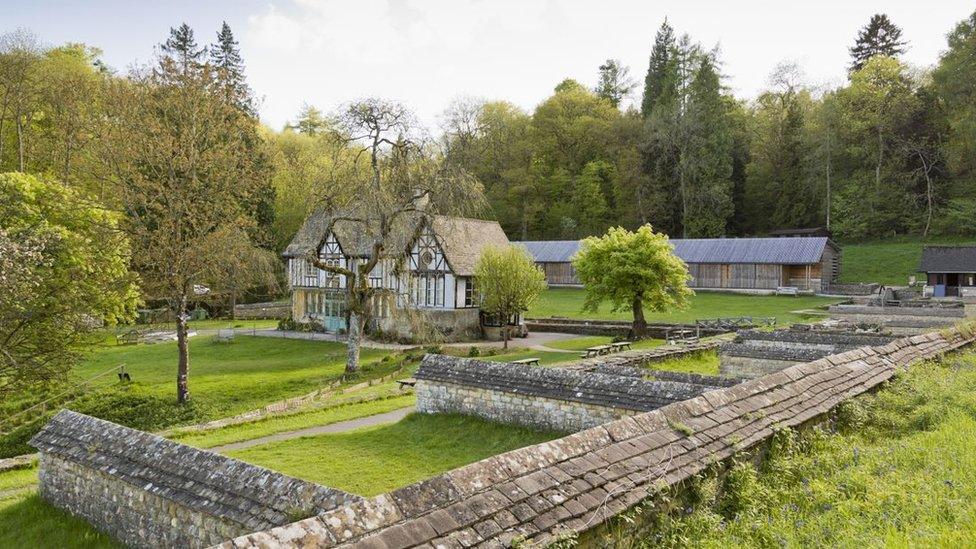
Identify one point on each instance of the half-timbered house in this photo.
(433, 280)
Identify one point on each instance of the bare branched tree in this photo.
(394, 180)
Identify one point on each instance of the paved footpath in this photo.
(340, 427)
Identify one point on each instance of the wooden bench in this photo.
(596, 350)
(130, 337)
(224, 336)
(788, 290)
(406, 382)
(621, 346)
(681, 335)
(527, 361)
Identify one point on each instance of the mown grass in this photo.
(225, 379)
(568, 302)
(27, 521)
(293, 422)
(377, 459)
(901, 472)
(890, 261)
(704, 362)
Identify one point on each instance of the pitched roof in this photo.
(795, 250)
(948, 259)
(551, 251)
(462, 239)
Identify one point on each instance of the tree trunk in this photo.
(353, 341)
(183, 370)
(639, 328)
(829, 158)
(505, 335)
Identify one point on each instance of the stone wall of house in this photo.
(574, 484)
(434, 324)
(147, 491)
(271, 309)
(547, 398)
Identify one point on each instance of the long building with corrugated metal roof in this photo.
(806, 263)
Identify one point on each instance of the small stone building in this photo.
(949, 270)
(807, 263)
(433, 283)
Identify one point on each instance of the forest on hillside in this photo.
(891, 151)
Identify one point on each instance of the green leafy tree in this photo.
(780, 193)
(879, 37)
(632, 270)
(64, 271)
(508, 282)
(615, 82)
(180, 159)
(954, 84)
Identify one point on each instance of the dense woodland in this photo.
(892, 151)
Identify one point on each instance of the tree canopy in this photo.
(507, 282)
(634, 270)
(64, 271)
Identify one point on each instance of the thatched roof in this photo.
(462, 239)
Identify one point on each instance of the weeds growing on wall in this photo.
(894, 467)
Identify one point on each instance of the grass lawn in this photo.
(901, 473)
(225, 379)
(581, 343)
(377, 459)
(291, 422)
(705, 362)
(27, 521)
(568, 302)
(889, 261)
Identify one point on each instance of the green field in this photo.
(888, 262)
(225, 379)
(26, 521)
(902, 473)
(374, 460)
(568, 303)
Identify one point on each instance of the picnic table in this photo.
(406, 382)
(527, 361)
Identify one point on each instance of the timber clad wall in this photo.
(576, 483)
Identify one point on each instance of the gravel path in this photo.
(340, 427)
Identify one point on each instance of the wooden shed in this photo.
(949, 270)
(806, 263)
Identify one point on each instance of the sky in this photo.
(426, 53)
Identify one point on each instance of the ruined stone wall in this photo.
(548, 398)
(147, 491)
(574, 484)
(513, 408)
(751, 366)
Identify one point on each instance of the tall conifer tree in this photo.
(879, 37)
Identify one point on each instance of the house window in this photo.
(429, 290)
(470, 295)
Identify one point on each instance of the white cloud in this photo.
(425, 52)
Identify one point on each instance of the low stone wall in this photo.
(147, 491)
(547, 398)
(851, 289)
(848, 339)
(642, 357)
(540, 493)
(604, 327)
(270, 309)
(749, 367)
(865, 310)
